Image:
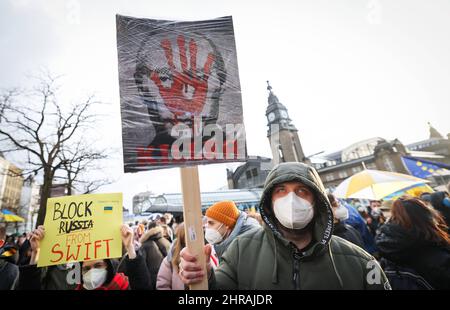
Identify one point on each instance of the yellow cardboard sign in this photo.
(81, 228)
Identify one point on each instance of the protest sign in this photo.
(180, 93)
(81, 228)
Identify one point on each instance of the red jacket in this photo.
(119, 282)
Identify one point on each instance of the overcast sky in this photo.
(346, 70)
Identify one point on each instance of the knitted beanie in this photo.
(225, 212)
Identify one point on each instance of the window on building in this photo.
(248, 174)
(389, 164)
(356, 169)
(371, 166)
(360, 149)
(280, 155)
(296, 151)
(254, 172)
(329, 177)
(343, 174)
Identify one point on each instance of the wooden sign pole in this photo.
(192, 213)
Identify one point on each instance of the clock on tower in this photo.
(282, 134)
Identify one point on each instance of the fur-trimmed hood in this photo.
(152, 232)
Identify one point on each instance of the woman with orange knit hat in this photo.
(224, 223)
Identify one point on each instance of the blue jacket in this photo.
(356, 221)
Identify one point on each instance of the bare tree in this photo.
(37, 125)
(91, 186)
(77, 160)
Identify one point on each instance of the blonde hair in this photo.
(180, 243)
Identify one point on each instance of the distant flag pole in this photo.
(364, 166)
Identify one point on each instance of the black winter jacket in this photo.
(409, 249)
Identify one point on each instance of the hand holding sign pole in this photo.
(193, 220)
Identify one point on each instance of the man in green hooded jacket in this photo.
(295, 249)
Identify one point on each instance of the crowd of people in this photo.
(301, 237)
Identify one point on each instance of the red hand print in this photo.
(175, 96)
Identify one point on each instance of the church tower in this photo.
(282, 134)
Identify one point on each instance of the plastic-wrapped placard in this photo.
(180, 93)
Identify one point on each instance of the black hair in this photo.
(111, 269)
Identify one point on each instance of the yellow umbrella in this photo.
(8, 216)
(375, 184)
(415, 191)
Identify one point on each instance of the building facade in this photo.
(29, 205)
(11, 182)
(142, 202)
(380, 154)
(375, 153)
(252, 174)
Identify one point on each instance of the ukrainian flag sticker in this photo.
(108, 209)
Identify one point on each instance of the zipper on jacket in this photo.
(296, 255)
(296, 275)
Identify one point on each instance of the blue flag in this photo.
(422, 168)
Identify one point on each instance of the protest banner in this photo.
(180, 93)
(81, 228)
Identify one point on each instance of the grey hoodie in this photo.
(243, 224)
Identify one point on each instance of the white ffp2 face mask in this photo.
(293, 212)
(94, 278)
(213, 236)
(341, 213)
